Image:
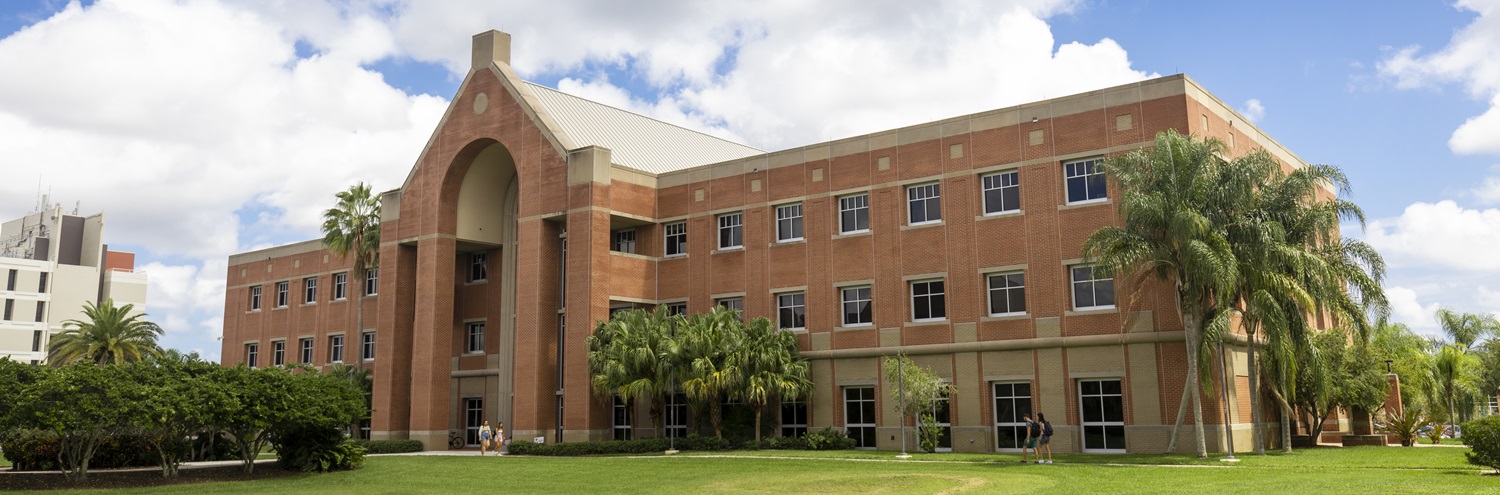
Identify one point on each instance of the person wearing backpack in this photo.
(1033, 434)
(1046, 440)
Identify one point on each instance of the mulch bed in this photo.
(52, 480)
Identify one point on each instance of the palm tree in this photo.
(1166, 195)
(1467, 328)
(107, 335)
(353, 227)
(1453, 368)
(627, 357)
(711, 343)
(774, 371)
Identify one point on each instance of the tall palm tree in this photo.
(773, 369)
(1167, 194)
(353, 227)
(1453, 368)
(627, 358)
(107, 335)
(1467, 328)
(710, 344)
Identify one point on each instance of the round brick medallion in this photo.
(481, 102)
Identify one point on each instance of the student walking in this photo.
(500, 438)
(1046, 440)
(1032, 432)
(484, 438)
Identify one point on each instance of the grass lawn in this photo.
(1353, 470)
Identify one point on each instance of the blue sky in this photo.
(212, 127)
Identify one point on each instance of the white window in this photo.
(731, 231)
(1012, 405)
(309, 290)
(1091, 289)
(793, 418)
(622, 241)
(278, 353)
(1002, 192)
(677, 414)
(927, 302)
(1085, 180)
(789, 223)
(676, 239)
(254, 298)
(477, 269)
(677, 309)
(859, 416)
(474, 338)
(367, 346)
(252, 354)
(791, 313)
(282, 290)
(854, 214)
(857, 306)
(735, 303)
(307, 350)
(1102, 408)
(943, 418)
(473, 419)
(924, 204)
(1007, 293)
(372, 282)
(340, 286)
(620, 420)
(336, 349)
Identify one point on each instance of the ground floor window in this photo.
(793, 418)
(473, 418)
(1102, 408)
(677, 412)
(859, 415)
(364, 429)
(941, 415)
(621, 419)
(1012, 405)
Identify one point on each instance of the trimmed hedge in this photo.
(389, 446)
(1483, 438)
(644, 446)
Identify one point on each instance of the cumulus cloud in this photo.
(1468, 59)
(1405, 308)
(1441, 234)
(1253, 110)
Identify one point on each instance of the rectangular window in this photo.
(340, 286)
(473, 419)
(924, 204)
(859, 416)
(1012, 404)
(677, 414)
(1002, 192)
(477, 269)
(252, 354)
(474, 340)
(372, 282)
(1085, 180)
(309, 290)
(367, 346)
(676, 239)
(857, 306)
(278, 353)
(41, 310)
(282, 293)
(10, 307)
(789, 223)
(791, 312)
(943, 417)
(622, 241)
(731, 231)
(255, 298)
(1007, 293)
(336, 349)
(36, 341)
(677, 309)
(1091, 289)
(735, 303)
(854, 214)
(620, 420)
(10, 282)
(41, 284)
(927, 301)
(793, 418)
(307, 350)
(1102, 408)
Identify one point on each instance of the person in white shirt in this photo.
(484, 438)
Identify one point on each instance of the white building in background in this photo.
(51, 264)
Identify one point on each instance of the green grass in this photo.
(1351, 470)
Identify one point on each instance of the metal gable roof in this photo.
(634, 140)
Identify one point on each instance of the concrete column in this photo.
(432, 342)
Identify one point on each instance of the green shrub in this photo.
(1407, 426)
(828, 439)
(316, 449)
(37, 451)
(389, 446)
(1483, 438)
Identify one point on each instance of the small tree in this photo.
(257, 401)
(175, 401)
(107, 334)
(627, 358)
(917, 390)
(773, 368)
(81, 405)
(710, 343)
(1483, 438)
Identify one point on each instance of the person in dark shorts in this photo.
(1033, 430)
(1046, 439)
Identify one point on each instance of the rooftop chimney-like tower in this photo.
(491, 46)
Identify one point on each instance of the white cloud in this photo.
(1253, 110)
(1441, 234)
(1469, 59)
(1488, 191)
(1405, 308)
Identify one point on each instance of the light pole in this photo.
(901, 392)
(671, 407)
(1224, 392)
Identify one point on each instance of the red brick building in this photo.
(531, 214)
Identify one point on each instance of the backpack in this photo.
(1046, 428)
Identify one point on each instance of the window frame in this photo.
(940, 296)
(252, 354)
(283, 293)
(845, 301)
(619, 243)
(796, 306)
(675, 412)
(479, 270)
(990, 290)
(1084, 424)
(372, 282)
(1090, 167)
(927, 201)
(1094, 283)
(367, 346)
(336, 349)
(793, 220)
(620, 419)
(305, 350)
(278, 353)
(679, 308)
(736, 303)
(856, 210)
(674, 229)
(732, 224)
(255, 291)
(864, 424)
(985, 187)
(310, 290)
(794, 428)
(1016, 425)
(341, 286)
(473, 419)
(474, 337)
